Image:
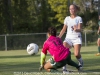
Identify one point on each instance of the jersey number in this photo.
(56, 43)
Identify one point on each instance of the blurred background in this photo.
(26, 21)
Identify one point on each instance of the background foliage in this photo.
(30, 16)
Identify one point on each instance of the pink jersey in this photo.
(56, 49)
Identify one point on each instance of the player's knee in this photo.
(66, 45)
(45, 67)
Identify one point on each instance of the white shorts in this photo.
(73, 41)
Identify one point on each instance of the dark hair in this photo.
(77, 7)
(52, 31)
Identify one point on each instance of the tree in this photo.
(8, 15)
(5, 17)
(61, 7)
(40, 14)
(21, 16)
(2, 19)
(25, 16)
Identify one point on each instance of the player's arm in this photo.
(78, 28)
(42, 60)
(43, 56)
(62, 31)
(98, 32)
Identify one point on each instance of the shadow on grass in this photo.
(92, 52)
(92, 65)
(20, 56)
(20, 67)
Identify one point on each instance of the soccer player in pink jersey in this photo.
(60, 54)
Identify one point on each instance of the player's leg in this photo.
(67, 43)
(72, 63)
(77, 48)
(50, 66)
(68, 46)
(77, 43)
(98, 43)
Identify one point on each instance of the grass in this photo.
(18, 62)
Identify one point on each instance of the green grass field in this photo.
(18, 62)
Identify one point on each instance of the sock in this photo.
(64, 67)
(80, 61)
(99, 49)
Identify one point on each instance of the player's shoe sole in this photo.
(98, 54)
(65, 72)
(80, 69)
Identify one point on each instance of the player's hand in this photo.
(40, 68)
(75, 27)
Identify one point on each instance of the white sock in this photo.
(64, 67)
(80, 61)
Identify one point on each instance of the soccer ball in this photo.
(32, 49)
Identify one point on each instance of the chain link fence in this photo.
(20, 41)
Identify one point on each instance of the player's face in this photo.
(72, 10)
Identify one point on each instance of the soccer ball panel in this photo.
(32, 49)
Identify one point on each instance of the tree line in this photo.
(35, 16)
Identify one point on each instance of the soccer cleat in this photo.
(65, 72)
(80, 69)
(98, 54)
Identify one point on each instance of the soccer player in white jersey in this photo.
(73, 24)
(98, 41)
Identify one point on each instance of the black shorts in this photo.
(59, 64)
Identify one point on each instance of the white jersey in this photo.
(70, 22)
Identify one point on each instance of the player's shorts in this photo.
(73, 41)
(59, 64)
